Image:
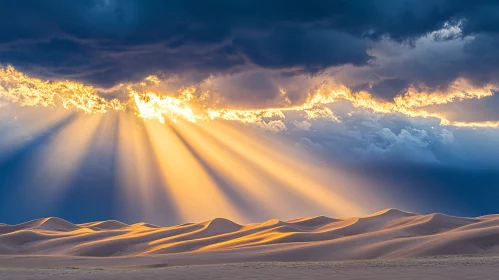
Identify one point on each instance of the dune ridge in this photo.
(390, 233)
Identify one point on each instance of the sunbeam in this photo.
(19, 126)
(60, 160)
(237, 173)
(192, 170)
(190, 187)
(293, 174)
(138, 175)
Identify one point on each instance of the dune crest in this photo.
(105, 225)
(51, 224)
(313, 221)
(392, 212)
(389, 233)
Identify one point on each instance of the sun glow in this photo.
(143, 101)
(188, 171)
(185, 155)
(170, 153)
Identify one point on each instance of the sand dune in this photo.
(386, 234)
(104, 225)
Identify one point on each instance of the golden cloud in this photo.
(189, 104)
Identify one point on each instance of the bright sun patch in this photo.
(24, 90)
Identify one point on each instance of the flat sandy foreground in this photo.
(446, 267)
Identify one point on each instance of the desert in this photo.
(390, 241)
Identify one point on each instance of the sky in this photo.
(399, 94)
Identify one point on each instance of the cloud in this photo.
(251, 54)
(310, 146)
(446, 136)
(367, 137)
(304, 125)
(472, 110)
(365, 83)
(408, 145)
(274, 126)
(307, 50)
(108, 42)
(439, 63)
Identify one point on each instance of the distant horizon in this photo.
(262, 221)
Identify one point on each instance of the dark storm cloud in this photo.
(311, 51)
(474, 110)
(249, 88)
(107, 41)
(390, 87)
(438, 64)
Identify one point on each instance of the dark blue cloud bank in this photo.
(252, 49)
(109, 41)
